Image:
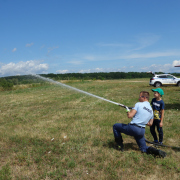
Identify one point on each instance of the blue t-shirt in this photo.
(157, 107)
(143, 115)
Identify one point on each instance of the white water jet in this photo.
(73, 88)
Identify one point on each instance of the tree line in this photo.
(8, 82)
(101, 75)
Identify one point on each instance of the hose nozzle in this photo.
(127, 109)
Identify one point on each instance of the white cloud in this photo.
(136, 56)
(75, 62)
(29, 45)
(151, 55)
(23, 68)
(15, 49)
(103, 70)
(176, 62)
(93, 70)
(85, 71)
(62, 71)
(99, 69)
(166, 68)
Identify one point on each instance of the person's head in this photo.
(144, 96)
(158, 92)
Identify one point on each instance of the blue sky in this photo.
(66, 36)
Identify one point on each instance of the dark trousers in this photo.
(136, 132)
(156, 123)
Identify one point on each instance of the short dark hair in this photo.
(145, 94)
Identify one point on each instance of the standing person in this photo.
(158, 109)
(142, 115)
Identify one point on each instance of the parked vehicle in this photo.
(164, 79)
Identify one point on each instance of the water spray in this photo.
(81, 91)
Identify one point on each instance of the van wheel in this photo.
(157, 84)
(178, 84)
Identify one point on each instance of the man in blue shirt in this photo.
(142, 115)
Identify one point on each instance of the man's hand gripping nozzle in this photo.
(127, 109)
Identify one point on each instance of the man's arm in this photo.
(150, 123)
(131, 113)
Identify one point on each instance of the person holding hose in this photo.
(142, 115)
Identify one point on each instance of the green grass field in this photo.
(49, 132)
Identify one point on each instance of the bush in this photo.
(6, 85)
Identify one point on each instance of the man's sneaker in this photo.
(161, 143)
(155, 141)
(121, 148)
(156, 152)
(119, 142)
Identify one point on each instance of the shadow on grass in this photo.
(127, 146)
(172, 106)
(176, 149)
(131, 146)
